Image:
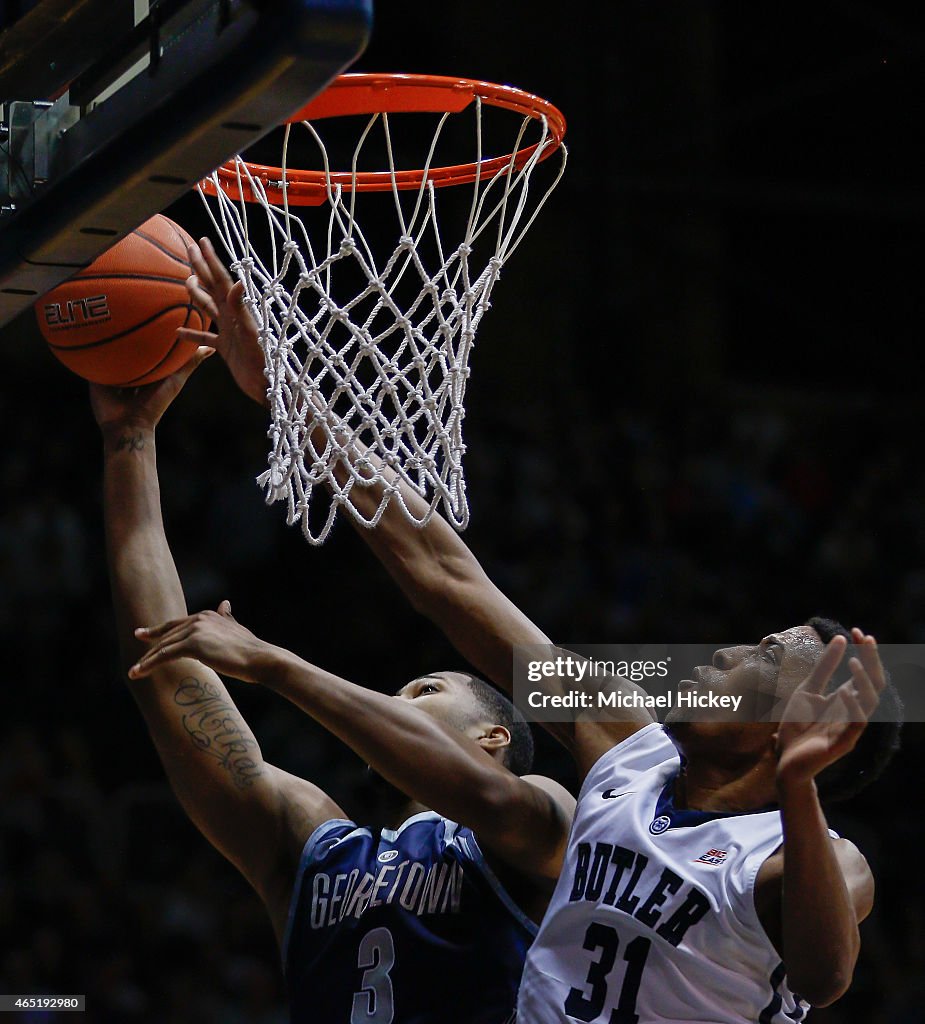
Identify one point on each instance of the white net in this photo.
(367, 358)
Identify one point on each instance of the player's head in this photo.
(764, 675)
(467, 703)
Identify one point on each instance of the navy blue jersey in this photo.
(405, 927)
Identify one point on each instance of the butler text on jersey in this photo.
(611, 873)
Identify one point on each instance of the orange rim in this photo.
(386, 94)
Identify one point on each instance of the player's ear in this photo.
(495, 738)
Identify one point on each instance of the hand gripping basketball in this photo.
(117, 408)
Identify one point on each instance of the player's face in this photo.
(445, 696)
(764, 675)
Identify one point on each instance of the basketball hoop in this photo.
(372, 355)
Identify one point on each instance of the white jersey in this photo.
(653, 918)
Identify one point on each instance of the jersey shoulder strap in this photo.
(624, 762)
(467, 841)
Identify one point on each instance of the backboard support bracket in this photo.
(228, 72)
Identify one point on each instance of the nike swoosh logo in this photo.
(612, 794)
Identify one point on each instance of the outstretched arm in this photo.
(813, 893)
(523, 821)
(432, 565)
(256, 815)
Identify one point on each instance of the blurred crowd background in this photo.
(694, 414)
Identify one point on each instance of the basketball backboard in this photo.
(112, 109)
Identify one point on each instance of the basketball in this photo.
(115, 322)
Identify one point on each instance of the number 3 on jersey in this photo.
(588, 1007)
(374, 1003)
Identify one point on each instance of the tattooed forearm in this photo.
(216, 728)
(130, 442)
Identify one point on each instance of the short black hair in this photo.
(500, 711)
(877, 743)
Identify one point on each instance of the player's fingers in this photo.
(200, 267)
(167, 631)
(864, 689)
(224, 609)
(201, 297)
(852, 710)
(161, 654)
(180, 633)
(818, 679)
(211, 275)
(869, 656)
(151, 633)
(236, 296)
(202, 338)
(216, 268)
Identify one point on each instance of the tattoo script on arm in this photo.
(216, 728)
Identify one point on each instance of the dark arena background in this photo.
(695, 412)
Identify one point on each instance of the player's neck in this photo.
(385, 806)
(389, 807)
(705, 786)
(392, 817)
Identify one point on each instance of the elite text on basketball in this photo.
(77, 312)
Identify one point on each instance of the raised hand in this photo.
(817, 728)
(213, 290)
(215, 639)
(142, 406)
